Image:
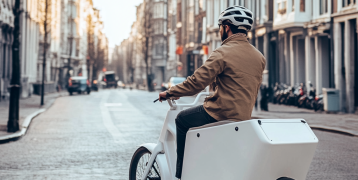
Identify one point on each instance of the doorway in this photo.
(355, 67)
(191, 64)
(327, 74)
(273, 64)
(300, 61)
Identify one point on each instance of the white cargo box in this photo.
(250, 150)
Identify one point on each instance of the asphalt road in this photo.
(94, 136)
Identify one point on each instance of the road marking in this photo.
(108, 122)
(112, 104)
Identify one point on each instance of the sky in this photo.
(117, 16)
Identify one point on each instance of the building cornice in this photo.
(339, 14)
(288, 25)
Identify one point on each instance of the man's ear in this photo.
(227, 28)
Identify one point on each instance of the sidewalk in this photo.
(29, 108)
(344, 123)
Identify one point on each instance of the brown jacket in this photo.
(236, 69)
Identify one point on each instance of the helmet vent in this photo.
(240, 19)
(229, 8)
(249, 14)
(233, 13)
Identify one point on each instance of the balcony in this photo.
(288, 15)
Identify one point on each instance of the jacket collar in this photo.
(234, 37)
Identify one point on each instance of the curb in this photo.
(334, 130)
(23, 127)
(323, 128)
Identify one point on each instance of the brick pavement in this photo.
(70, 140)
(27, 107)
(346, 123)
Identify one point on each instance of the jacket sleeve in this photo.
(201, 78)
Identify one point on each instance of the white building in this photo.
(29, 46)
(53, 43)
(74, 36)
(290, 16)
(345, 14)
(319, 63)
(6, 36)
(171, 66)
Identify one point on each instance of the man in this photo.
(235, 72)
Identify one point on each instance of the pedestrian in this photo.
(264, 98)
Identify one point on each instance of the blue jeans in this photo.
(186, 119)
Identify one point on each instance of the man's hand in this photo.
(163, 95)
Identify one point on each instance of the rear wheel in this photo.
(285, 178)
(138, 164)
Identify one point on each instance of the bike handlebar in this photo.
(173, 105)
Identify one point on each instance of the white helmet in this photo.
(238, 15)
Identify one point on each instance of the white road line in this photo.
(107, 120)
(113, 104)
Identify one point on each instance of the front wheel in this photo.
(138, 164)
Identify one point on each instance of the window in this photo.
(293, 5)
(348, 2)
(282, 7)
(201, 5)
(158, 10)
(196, 7)
(302, 5)
(159, 47)
(77, 47)
(323, 5)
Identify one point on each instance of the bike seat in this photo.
(213, 124)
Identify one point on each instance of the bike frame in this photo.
(164, 151)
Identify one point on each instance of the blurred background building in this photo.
(309, 42)
(7, 27)
(68, 47)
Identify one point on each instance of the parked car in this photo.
(78, 84)
(121, 85)
(110, 79)
(172, 82)
(175, 80)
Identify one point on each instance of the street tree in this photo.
(130, 59)
(144, 40)
(91, 48)
(13, 122)
(101, 59)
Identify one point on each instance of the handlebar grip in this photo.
(163, 99)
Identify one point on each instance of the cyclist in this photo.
(234, 73)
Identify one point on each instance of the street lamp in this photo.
(13, 121)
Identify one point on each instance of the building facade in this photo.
(158, 42)
(344, 21)
(30, 30)
(6, 39)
